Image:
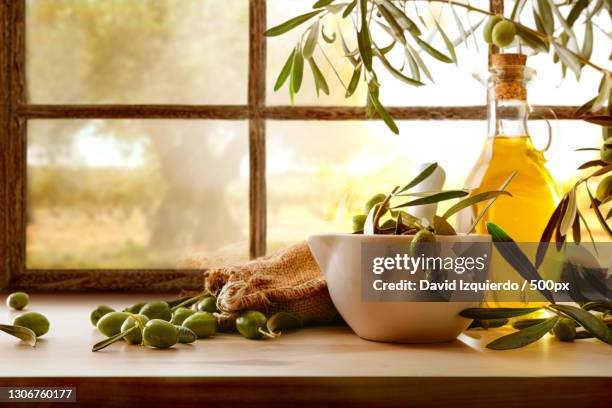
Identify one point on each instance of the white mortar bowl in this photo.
(339, 257)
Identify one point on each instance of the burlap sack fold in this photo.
(289, 280)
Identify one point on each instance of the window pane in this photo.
(453, 86)
(147, 51)
(136, 193)
(321, 173)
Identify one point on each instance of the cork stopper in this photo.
(509, 70)
(504, 60)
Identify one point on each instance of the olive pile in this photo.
(27, 326)
(499, 31)
(162, 324)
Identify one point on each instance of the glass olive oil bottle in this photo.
(509, 148)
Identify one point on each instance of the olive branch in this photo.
(406, 27)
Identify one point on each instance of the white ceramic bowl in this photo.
(339, 257)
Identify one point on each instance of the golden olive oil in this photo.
(534, 197)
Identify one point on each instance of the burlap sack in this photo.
(288, 280)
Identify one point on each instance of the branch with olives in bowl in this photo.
(383, 215)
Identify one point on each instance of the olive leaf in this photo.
(517, 9)
(364, 41)
(291, 24)
(432, 51)
(591, 163)
(515, 257)
(490, 203)
(417, 58)
(420, 177)
(311, 41)
(403, 20)
(297, 71)
(525, 336)
(570, 212)
(460, 27)
(524, 323)
(283, 321)
(547, 234)
(447, 42)
(285, 72)
(396, 30)
(600, 217)
(568, 58)
(352, 87)
(531, 39)
(379, 108)
(434, 198)
(576, 10)
(598, 305)
(398, 224)
(488, 324)
(328, 39)
(349, 9)
(412, 64)
(442, 227)
(591, 323)
(597, 284)
(20, 332)
(484, 313)
(113, 339)
(544, 11)
(468, 202)
(322, 3)
(587, 45)
(396, 73)
(320, 82)
(576, 229)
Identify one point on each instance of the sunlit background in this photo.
(147, 193)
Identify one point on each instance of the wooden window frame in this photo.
(15, 111)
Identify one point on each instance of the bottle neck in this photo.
(507, 118)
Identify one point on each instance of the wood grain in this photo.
(242, 112)
(311, 392)
(5, 157)
(136, 280)
(308, 366)
(257, 131)
(222, 112)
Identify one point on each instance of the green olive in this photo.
(378, 198)
(249, 324)
(565, 329)
(208, 305)
(604, 189)
(98, 313)
(186, 335)
(359, 222)
(135, 336)
(160, 334)
(180, 315)
(606, 151)
(421, 243)
(503, 33)
(157, 310)
(135, 308)
(110, 324)
(34, 321)
(488, 28)
(203, 324)
(17, 300)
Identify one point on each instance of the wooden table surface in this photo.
(309, 353)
